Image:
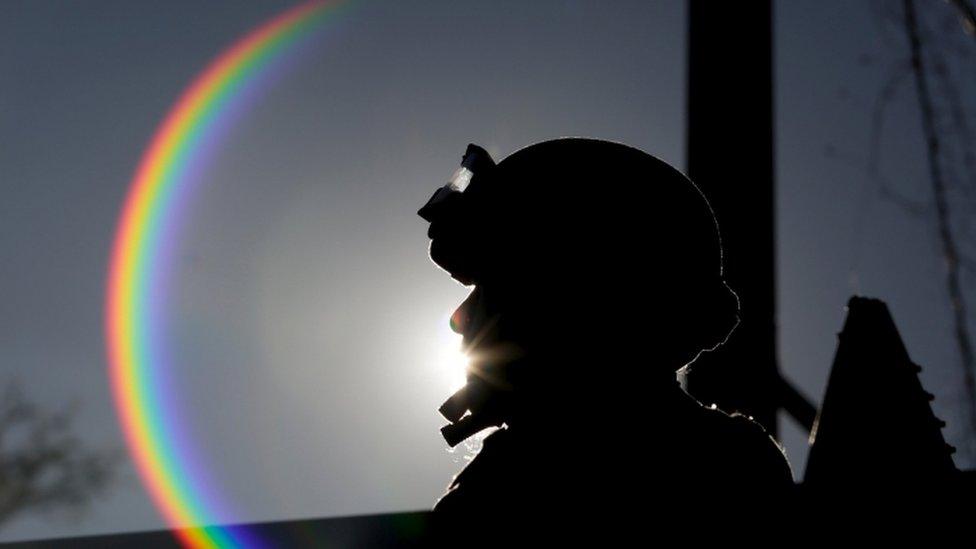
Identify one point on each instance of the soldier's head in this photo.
(588, 248)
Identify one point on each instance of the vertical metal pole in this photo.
(730, 156)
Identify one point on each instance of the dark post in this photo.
(730, 156)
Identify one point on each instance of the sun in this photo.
(450, 362)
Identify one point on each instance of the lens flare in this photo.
(136, 294)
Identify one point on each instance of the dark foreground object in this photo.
(876, 430)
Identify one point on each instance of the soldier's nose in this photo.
(461, 317)
(459, 320)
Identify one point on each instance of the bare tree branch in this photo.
(42, 465)
(949, 247)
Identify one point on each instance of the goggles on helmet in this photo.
(475, 161)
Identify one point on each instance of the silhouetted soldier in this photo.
(597, 275)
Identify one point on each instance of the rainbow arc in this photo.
(165, 176)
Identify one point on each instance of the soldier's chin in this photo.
(469, 340)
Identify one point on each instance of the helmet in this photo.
(572, 208)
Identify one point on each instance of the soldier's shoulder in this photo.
(747, 450)
(484, 475)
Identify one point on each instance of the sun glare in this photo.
(449, 361)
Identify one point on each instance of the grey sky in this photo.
(308, 317)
